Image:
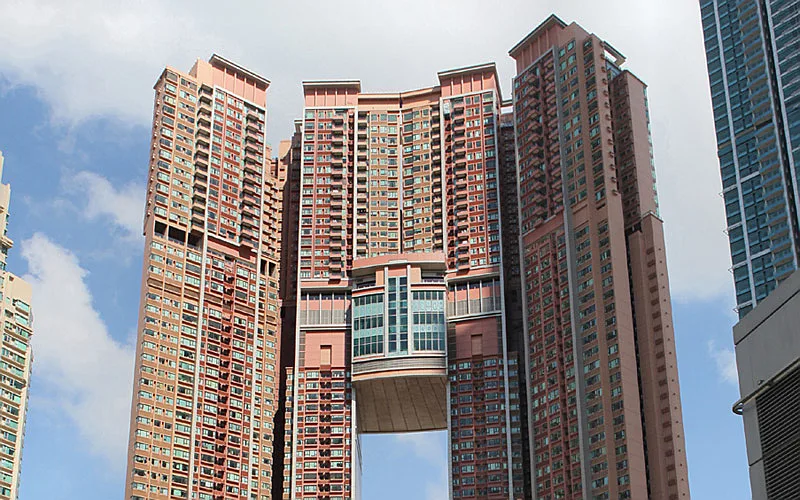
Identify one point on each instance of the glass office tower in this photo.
(753, 53)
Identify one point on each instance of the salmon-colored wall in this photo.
(406, 257)
(397, 271)
(469, 273)
(464, 83)
(641, 144)
(486, 328)
(334, 95)
(314, 342)
(378, 102)
(423, 97)
(552, 34)
(235, 83)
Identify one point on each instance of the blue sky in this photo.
(74, 130)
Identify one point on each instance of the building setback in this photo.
(15, 360)
(753, 55)
(603, 407)
(438, 258)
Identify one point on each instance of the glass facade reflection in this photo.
(398, 315)
(382, 321)
(752, 54)
(368, 325)
(429, 327)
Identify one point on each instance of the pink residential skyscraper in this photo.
(441, 258)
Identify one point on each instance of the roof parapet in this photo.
(619, 58)
(478, 68)
(219, 61)
(553, 20)
(310, 84)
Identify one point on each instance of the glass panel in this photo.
(368, 325)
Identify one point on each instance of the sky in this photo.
(76, 100)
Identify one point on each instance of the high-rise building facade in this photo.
(752, 49)
(439, 258)
(753, 56)
(15, 359)
(207, 360)
(400, 323)
(603, 407)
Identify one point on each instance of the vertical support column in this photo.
(323, 431)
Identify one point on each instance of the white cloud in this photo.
(100, 58)
(122, 207)
(429, 447)
(725, 360)
(80, 371)
(425, 445)
(89, 57)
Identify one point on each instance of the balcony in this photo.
(251, 113)
(249, 187)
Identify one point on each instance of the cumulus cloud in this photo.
(56, 47)
(81, 372)
(725, 359)
(90, 57)
(101, 200)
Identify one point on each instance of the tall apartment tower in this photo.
(206, 383)
(400, 322)
(438, 258)
(15, 359)
(603, 404)
(753, 52)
